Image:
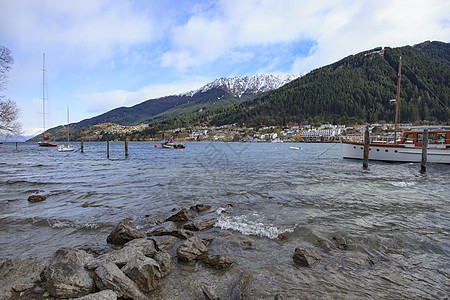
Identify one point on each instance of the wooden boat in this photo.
(45, 142)
(170, 144)
(406, 149)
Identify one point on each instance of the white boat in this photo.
(295, 148)
(67, 147)
(45, 142)
(408, 148)
(170, 144)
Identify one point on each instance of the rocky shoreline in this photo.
(138, 265)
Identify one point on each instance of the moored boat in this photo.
(170, 144)
(45, 142)
(408, 149)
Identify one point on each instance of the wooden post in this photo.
(126, 147)
(366, 148)
(107, 149)
(423, 166)
(82, 146)
(16, 146)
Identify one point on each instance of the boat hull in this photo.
(47, 144)
(395, 153)
(65, 148)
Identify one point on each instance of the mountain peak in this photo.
(247, 85)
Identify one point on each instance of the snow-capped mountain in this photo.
(253, 85)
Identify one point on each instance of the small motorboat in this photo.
(170, 144)
(295, 148)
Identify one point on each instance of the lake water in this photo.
(395, 219)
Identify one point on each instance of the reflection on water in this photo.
(394, 218)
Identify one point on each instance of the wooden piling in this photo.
(423, 165)
(366, 148)
(107, 149)
(16, 146)
(82, 147)
(126, 147)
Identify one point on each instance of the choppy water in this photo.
(395, 219)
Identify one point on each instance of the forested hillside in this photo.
(356, 89)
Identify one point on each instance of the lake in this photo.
(395, 219)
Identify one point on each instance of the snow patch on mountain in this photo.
(238, 86)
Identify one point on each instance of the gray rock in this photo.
(202, 222)
(144, 271)
(36, 198)
(200, 207)
(165, 228)
(218, 261)
(324, 245)
(123, 233)
(66, 276)
(147, 246)
(183, 234)
(165, 261)
(340, 242)
(109, 277)
(102, 295)
(305, 257)
(237, 291)
(181, 216)
(123, 256)
(15, 272)
(191, 249)
(164, 242)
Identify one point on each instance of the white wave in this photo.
(402, 183)
(66, 224)
(248, 227)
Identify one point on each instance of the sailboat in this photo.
(45, 142)
(66, 147)
(406, 149)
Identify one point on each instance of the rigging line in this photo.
(443, 104)
(334, 144)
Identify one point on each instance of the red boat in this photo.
(46, 143)
(170, 144)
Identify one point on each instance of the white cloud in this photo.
(84, 31)
(339, 28)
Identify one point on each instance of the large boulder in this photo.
(305, 257)
(202, 222)
(191, 249)
(164, 242)
(66, 276)
(165, 261)
(14, 272)
(200, 207)
(218, 261)
(165, 228)
(144, 271)
(123, 256)
(181, 216)
(109, 277)
(123, 233)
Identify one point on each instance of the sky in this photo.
(102, 54)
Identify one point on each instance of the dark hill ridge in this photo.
(219, 93)
(356, 89)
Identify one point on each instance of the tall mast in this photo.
(68, 124)
(43, 89)
(398, 98)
